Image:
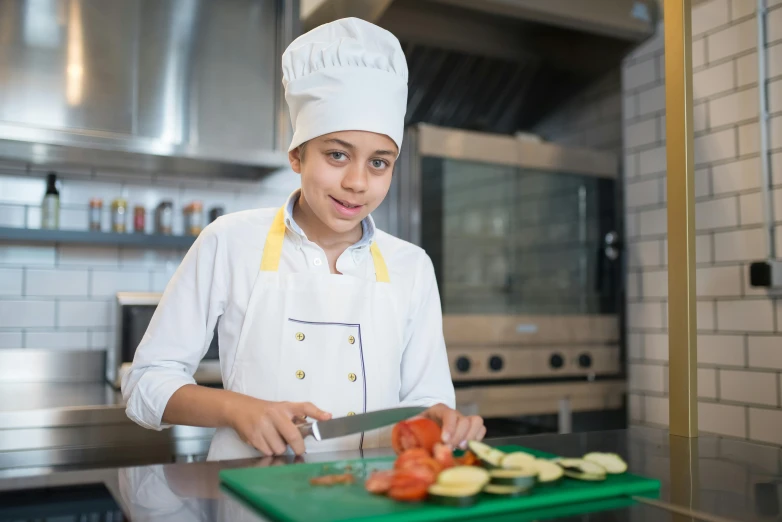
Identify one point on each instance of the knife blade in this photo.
(340, 427)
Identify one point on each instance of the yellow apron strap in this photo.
(272, 250)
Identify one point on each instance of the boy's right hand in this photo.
(269, 426)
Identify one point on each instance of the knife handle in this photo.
(306, 430)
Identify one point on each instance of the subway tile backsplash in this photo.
(60, 296)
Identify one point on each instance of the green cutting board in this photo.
(284, 493)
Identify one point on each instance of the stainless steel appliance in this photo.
(134, 311)
(524, 239)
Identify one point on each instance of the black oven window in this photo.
(135, 321)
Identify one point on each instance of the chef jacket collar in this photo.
(367, 224)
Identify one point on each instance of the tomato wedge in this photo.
(443, 455)
(411, 455)
(407, 486)
(379, 482)
(427, 468)
(468, 459)
(416, 433)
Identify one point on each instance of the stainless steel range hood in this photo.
(188, 86)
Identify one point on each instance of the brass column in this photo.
(682, 310)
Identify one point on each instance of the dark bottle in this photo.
(50, 208)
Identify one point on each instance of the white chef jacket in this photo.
(216, 278)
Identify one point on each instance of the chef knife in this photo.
(333, 428)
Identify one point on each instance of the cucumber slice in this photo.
(612, 462)
(548, 472)
(505, 491)
(580, 469)
(462, 495)
(517, 460)
(464, 476)
(523, 478)
(489, 457)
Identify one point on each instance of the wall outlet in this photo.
(766, 274)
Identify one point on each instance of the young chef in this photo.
(319, 314)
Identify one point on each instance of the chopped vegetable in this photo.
(464, 475)
(462, 495)
(468, 459)
(505, 491)
(330, 480)
(548, 472)
(443, 455)
(379, 482)
(518, 459)
(407, 486)
(611, 462)
(416, 433)
(489, 457)
(523, 478)
(580, 469)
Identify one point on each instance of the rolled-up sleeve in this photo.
(179, 333)
(426, 375)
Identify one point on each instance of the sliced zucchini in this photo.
(524, 478)
(612, 462)
(464, 476)
(460, 495)
(505, 491)
(580, 469)
(548, 472)
(489, 457)
(517, 460)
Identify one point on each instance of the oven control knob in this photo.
(556, 361)
(585, 360)
(463, 364)
(496, 363)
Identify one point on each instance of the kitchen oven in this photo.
(523, 237)
(134, 311)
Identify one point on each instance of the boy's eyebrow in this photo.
(385, 153)
(350, 146)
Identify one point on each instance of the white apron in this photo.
(333, 340)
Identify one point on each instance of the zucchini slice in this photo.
(548, 472)
(464, 476)
(505, 491)
(461, 495)
(523, 478)
(580, 469)
(489, 457)
(612, 462)
(517, 460)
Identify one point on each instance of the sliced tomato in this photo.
(426, 468)
(407, 486)
(443, 455)
(415, 433)
(468, 459)
(411, 455)
(379, 482)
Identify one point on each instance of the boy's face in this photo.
(345, 175)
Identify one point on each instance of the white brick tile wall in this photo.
(654, 284)
(747, 69)
(11, 215)
(59, 340)
(700, 117)
(635, 348)
(733, 40)
(635, 405)
(705, 315)
(775, 95)
(656, 347)
(106, 283)
(718, 281)
(749, 387)
(639, 74)
(18, 189)
(631, 225)
(751, 209)
(26, 314)
(630, 106)
(765, 425)
(698, 52)
(723, 350)
(713, 80)
(734, 108)
(736, 176)
(644, 253)
(776, 168)
(707, 16)
(137, 257)
(765, 352)
(11, 339)
(715, 146)
(652, 161)
(641, 133)
(79, 192)
(775, 132)
(739, 245)
(746, 316)
(774, 25)
(749, 139)
(741, 8)
(656, 410)
(84, 313)
(88, 256)
(722, 419)
(633, 285)
(703, 249)
(630, 166)
(11, 282)
(707, 383)
(652, 100)
(645, 315)
(27, 255)
(50, 282)
(702, 183)
(99, 340)
(653, 222)
(646, 377)
(774, 60)
(642, 193)
(716, 213)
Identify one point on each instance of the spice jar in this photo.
(194, 218)
(118, 210)
(164, 218)
(139, 219)
(96, 208)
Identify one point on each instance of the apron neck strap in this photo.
(272, 250)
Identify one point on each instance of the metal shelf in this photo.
(33, 235)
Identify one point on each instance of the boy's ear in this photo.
(295, 158)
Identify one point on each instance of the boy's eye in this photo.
(337, 156)
(378, 164)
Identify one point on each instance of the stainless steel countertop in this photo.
(727, 479)
(21, 396)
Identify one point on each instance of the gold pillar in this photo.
(682, 310)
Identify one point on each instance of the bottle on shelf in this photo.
(50, 208)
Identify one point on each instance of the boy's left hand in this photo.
(457, 428)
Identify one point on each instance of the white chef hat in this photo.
(345, 75)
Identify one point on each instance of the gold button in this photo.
(352, 377)
(350, 414)
(351, 339)
(299, 374)
(299, 336)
